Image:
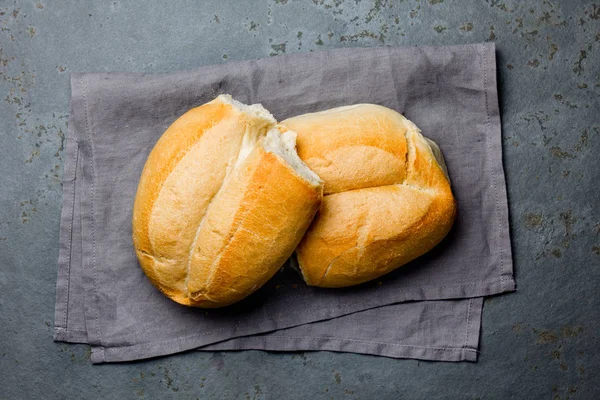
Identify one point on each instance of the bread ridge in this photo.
(269, 208)
(333, 156)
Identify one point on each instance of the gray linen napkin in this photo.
(104, 299)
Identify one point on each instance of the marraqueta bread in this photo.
(222, 202)
(387, 194)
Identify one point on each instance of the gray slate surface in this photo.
(541, 342)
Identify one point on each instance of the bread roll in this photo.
(222, 202)
(387, 194)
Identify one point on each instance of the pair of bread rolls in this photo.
(225, 198)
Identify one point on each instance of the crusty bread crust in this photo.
(215, 215)
(388, 200)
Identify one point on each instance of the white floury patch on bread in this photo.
(435, 149)
(284, 146)
(256, 110)
(439, 157)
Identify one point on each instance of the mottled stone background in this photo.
(541, 342)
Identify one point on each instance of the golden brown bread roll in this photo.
(387, 195)
(222, 202)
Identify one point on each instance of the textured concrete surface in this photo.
(541, 342)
